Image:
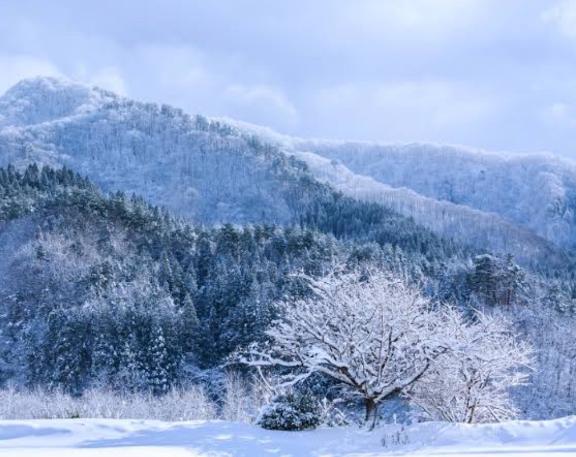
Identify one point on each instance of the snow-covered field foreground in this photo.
(127, 438)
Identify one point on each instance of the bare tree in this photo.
(471, 382)
(377, 336)
(243, 397)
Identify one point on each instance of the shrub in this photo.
(176, 405)
(291, 412)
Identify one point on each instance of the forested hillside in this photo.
(141, 249)
(217, 171)
(535, 191)
(106, 290)
(490, 204)
(123, 280)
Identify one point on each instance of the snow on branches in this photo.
(471, 382)
(377, 337)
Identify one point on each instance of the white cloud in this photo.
(470, 71)
(431, 18)
(407, 110)
(561, 113)
(563, 16)
(200, 83)
(265, 102)
(109, 78)
(17, 67)
(178, 66)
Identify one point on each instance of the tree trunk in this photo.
(471, 414)
(371, 417)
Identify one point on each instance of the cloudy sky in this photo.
(498, 74)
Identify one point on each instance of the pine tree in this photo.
(158, 370)
(483, 278)
(130, 374)
(189, 324)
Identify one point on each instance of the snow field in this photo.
(127, 438)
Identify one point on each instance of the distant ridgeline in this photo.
(213, 171)
(109, 290)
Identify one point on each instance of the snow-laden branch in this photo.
(379, 337)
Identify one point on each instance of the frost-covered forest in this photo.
(149, 254)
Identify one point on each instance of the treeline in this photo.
(113, 291)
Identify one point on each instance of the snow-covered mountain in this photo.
(460, 222)
(480, 226)
(195, 167)
(535, 191)
(40, 100)
(63, 241)
(226, 171)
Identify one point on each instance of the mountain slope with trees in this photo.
(108, 291)
(218, 171)
(141, 292)
(535, 191)
(141, 248)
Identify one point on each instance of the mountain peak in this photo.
(41, 99)
(46, 83)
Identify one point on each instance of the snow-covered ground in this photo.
(127, 438)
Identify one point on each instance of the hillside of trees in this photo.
(105, 290)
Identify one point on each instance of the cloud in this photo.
(179, 66)
(404, 110)
(481, 72)
(561, 114)
(563, 16)
(433, 18)
(109, 78)
(264, 103)
(17, 67)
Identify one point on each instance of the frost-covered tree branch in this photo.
(376, 336)
(472, 382)
(379, 337)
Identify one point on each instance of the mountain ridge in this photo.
(206, 168)
(466, 224)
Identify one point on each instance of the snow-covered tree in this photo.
(291, 411)
(374, 335)
(471, 382)
(158, 373)
(496, 281)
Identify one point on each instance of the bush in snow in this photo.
(294, 411)
(176, 405)
(331, 415)
(395, 435)
(242, 398)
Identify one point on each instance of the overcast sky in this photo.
(498, 74)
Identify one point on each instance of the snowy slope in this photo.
(126, 438)
(484, 229)
(536, 191)
(223, 170)
(186, 163)
(496, 200)
(46, 99)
